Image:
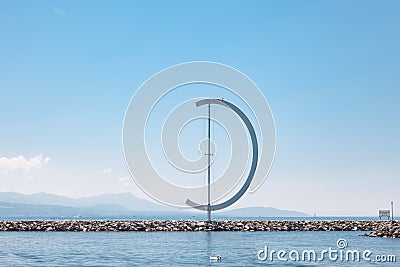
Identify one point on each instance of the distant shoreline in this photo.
(379, 228)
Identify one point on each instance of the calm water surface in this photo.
(178, 248)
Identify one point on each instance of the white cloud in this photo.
(109, 170)
(59, 11)
(20, 163)
(125, 181)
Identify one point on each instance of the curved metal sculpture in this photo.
(253, 167)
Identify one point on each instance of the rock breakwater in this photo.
(389, 229)
(384, 227)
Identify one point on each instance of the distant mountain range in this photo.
(45, 205)
(125, 200)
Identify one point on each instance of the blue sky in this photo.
(329, 70)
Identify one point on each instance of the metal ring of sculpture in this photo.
(253, 167)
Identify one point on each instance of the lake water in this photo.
(182, 248)
(186, 216)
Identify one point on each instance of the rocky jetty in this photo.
(380, 228)
(388, 229)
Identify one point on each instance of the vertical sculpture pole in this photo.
(209, 167)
